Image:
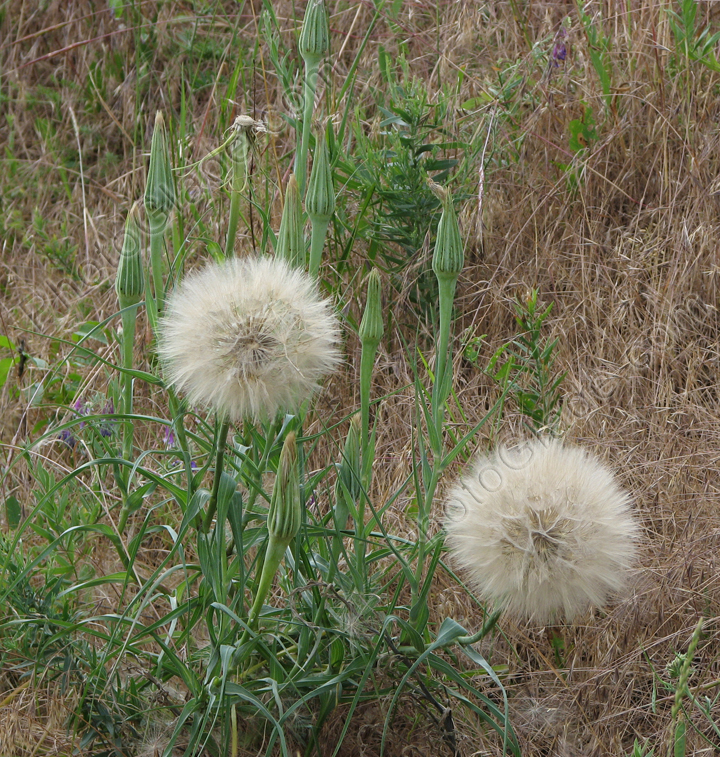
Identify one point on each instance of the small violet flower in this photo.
(66, 437)
(559, 51)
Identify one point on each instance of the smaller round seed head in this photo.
(249, 337)
(543, 530)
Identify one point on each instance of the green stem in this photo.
(212, 502)
(317, 242)
(273, 557)
(129, 317)
(157, 235)
(235, 198)
(309, 89)
(488, 625)
(439, 395)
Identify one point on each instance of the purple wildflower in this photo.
(107, 426)
(559, 51)
(82, 408)
(169, 437)
(66, 437)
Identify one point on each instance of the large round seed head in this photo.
(248, 337)
(542, 530)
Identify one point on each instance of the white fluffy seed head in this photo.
(543, 530)
(248, 337)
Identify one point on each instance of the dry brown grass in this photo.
(630, 260)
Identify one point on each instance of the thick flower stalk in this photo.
(291, 240)
(159, 202)
(129, 285)
(370, 333)
(448, 261)
(248, 338)
(348, 491)
(319, 202)
(283, 522)
(542, 530)
(314, 44)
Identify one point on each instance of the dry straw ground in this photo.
(629, 257)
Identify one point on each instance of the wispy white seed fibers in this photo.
(542, 530)
(248, 337)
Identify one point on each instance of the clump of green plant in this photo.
(524, 368)
(277, 593)
(392, 169)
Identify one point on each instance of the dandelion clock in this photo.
(542, 530)
(248, 337)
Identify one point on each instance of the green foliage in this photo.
(524, 367)
(392, 171)
(693, 43)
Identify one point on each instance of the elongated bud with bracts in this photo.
(370, 332)
(285, 514)
(283, 523)
(349, 471)
(449, 256)
(371, 325)
(160, 188)
(291, 241)
(315, 35)
(129, 281)
(320, 197)
(319, 202)
(448, 261)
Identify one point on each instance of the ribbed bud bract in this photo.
(160, 189)
(349, 470)
(449, 256)
(129, 282)
(315, 34)
(291, 241)
(320, 197)
(371, 325)
(285, 514)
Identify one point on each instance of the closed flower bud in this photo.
(291, 241)
(349, 470)
(371, 325)
(315, 35)
(285, 513)
(320, 197)
(160, 189)
(449, 256)
(129, 282)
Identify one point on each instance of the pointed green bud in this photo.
(449, 256)
(315, 34)
(285, 514)
(160, 189)
(349, 470)
(129, 282)
(320, 197)
(291, 240)
(371, 325)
